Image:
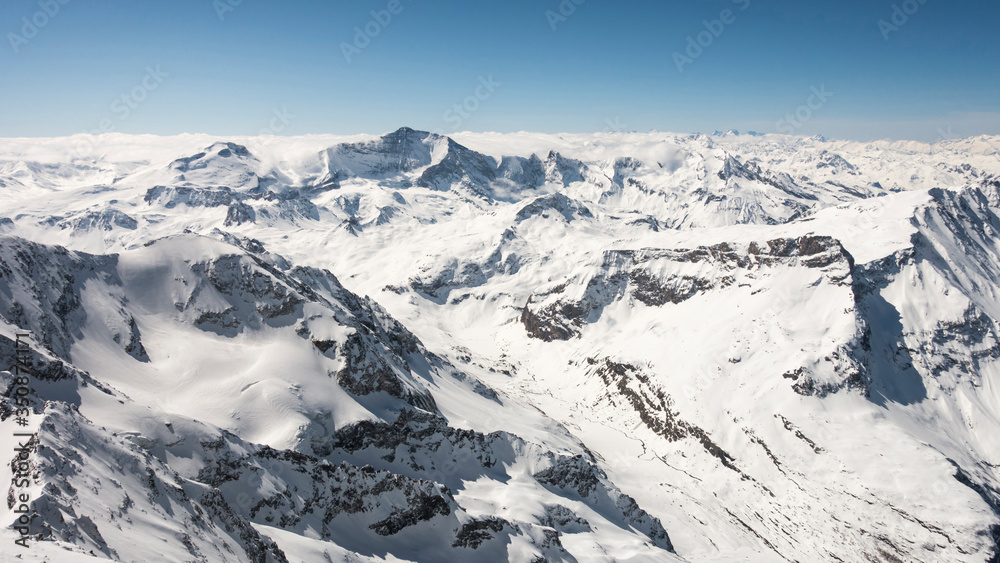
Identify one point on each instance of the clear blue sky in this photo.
(607, 65)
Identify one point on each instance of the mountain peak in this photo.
(228, 149)
(409, 135)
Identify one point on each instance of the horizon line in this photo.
(717, 133)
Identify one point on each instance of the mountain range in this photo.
(500, 347)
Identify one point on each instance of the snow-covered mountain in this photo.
(522, 347)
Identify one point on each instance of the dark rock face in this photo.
(807, 386)
(240, 213)
(798, 434)
(556, 322)
(528, 173)
(631, 274)
(312, 493)
(563, 519)
(733, 168)
(67, 474)
(814, 251)
(103, 220)
(556, 204)
(290, 205)
(420, 509)
(582, 476)
(256, 296)
(366, 371)
(574, 473)
(50, 377)
(651, 292)
(406, 150)
(291, 491)
(562, 170)
(400, 151)
(402, 445)
(421, 445)
(623, 168)
(797, 198)
(963, 345)
(308, 492)
(453, 275)
(41, 290)
(257, 548)
(402, 148)
(439, 282)
(186, 163)
(463, 167)
(651, 223)
(654, 407)
(171, 197)
(995, 536)
(384, 217)
(838, 163)
(231, 149)
(472, 534)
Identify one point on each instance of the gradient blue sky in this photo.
(609, 65)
